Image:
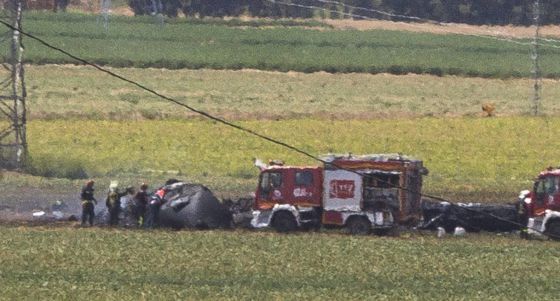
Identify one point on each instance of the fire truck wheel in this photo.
(553, 229)
(284, 221)
(358, 225)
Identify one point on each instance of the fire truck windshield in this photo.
(548, 185)
(545, 187)
(270, 180)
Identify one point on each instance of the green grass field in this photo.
(86, 124)
(101, 264)
(134, 42)
(470, 159)
(253, 94)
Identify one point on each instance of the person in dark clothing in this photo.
(153, 208)
(88, 201)
(127, 208)
(113, 203)
(140, 202)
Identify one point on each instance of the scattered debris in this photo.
(58, 215)
(39, 213)
(59, 206)
(440, 232)
(241, 210)
(459, 231)
(472, 217)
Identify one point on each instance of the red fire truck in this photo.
(361, 193)
(541, 205)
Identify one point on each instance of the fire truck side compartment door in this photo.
(307, 187)
(342, 191)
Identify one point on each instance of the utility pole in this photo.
(536, 71)
(13, 138)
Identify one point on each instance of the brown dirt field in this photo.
(448, 28)
(93, 7)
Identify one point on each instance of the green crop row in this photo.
(470, 159)
(133, 42)
(99, 264)
(80, 18)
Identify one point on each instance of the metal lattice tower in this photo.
(536, 71)
(13, 138)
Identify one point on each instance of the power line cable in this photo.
(381, 12)
(414, 18)
(143, 87)
(243, 129)
(354, 15)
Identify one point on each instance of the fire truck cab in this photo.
(361, 193)
(541, 205)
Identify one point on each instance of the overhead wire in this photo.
(145, 88)
(238, 127)
(426, 20)
(510, 39)
(381, 12)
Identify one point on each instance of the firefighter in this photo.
(113, 203)
(88, 201)
(140, 202)
(154, 207)
(127, 207)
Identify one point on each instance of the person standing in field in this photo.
(154, 207)
(88, 201)
(127, 207)
(113, 203)
(140, 202)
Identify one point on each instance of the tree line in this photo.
(491, 12)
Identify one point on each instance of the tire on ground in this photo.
(284, 221)
(358, 225)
